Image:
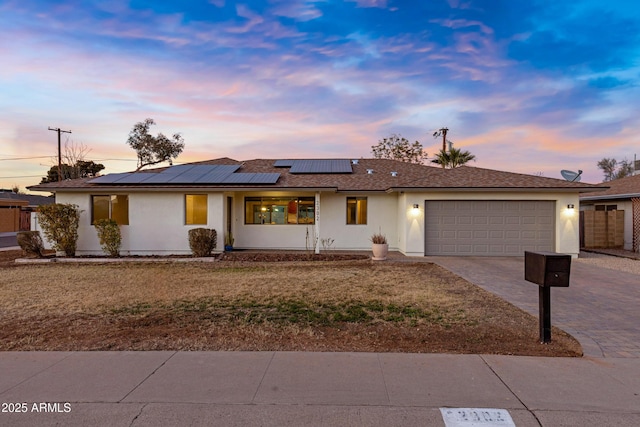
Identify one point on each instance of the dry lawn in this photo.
(230, 305)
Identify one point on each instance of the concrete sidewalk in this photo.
(297, 388)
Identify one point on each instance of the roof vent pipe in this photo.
(370, 171)
(394, 173)
(354, 161)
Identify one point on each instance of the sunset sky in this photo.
(527, 86)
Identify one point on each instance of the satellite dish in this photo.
(571, 175)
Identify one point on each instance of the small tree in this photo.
(453, 158)
(59, 222)
(151, 149)
(73, 164)
(614, 169)
(81, 169)
(109, 236)
(396, 147)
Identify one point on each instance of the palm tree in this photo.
(453, 158)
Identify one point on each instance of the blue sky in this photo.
(527, 86)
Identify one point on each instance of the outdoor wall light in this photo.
(570, 206)
(417, 206)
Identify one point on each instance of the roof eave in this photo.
(165, 189)
(610, 197)
(491, 189)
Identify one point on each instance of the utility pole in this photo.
(59, 151)
(442, 132)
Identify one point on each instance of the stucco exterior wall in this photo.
(156, 223)
(332, 224)
(381, 218)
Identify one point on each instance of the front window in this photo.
(356, 210)
(279, 210)
(114, 207)
(195, 209)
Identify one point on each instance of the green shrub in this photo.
(202, 241)
(59, 222)
(31, 243)
(109, 236)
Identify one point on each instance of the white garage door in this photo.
(488, 228)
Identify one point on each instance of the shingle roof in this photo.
(618, 188)
(30, 199)
(367, 175)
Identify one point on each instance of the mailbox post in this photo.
(547, 270)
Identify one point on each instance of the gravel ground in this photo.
(610, 262)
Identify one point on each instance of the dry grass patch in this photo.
(321, 306)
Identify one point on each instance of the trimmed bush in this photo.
(31, 243)
(59, 222)
(202, 241)
(109, 236)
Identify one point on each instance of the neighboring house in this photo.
(15, 210)
(294, 203)
(621, 195)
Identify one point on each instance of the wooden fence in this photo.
(602, 229)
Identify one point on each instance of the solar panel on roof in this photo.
(106, 179)
(216, 175)
(191, 174)
(123, 178)
(177, 170)
(134, 178)
(321, 166)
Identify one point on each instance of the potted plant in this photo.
(228, 242)
(379, 246)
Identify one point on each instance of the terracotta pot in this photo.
(380, 251)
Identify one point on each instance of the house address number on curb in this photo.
(481, 417)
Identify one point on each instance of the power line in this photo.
(27, 158)
(23, 176)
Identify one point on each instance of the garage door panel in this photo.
(488, 228)
(497, 220)
(515, 220)
(480, 220)
(462, 220)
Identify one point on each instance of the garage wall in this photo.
(566, 226)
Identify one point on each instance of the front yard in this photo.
(352, 305)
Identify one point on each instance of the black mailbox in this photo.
(547, 268)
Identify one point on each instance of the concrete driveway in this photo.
(600, 308)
